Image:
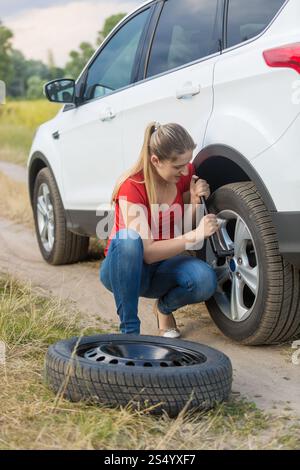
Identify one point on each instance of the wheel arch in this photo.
(232, 167)
(37, 163)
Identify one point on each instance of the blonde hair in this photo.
(166, 142)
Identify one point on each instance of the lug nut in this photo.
(240, 261)
(238, 275)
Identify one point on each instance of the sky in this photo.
(58, 25)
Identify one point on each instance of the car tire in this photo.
(57, 244)
(144, 372)
(272, 308)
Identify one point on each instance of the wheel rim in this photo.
(45, 217)
(134, 353)
(238, 276)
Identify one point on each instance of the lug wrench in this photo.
(219, 248)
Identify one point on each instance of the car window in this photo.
(113, 67)
(187, 30)
(247, 19)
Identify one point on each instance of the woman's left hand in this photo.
(198, 188)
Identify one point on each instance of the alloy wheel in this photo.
(238, 275)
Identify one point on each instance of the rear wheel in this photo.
(257, 300)
(57, 244)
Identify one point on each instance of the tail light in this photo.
(285, 56)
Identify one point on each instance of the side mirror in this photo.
(60, 91)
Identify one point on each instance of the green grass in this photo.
(33, 418)
(18, 122)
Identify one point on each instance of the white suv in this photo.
(229, 72)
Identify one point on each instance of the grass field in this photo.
(33, 418)
(18, 122)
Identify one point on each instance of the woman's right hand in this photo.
(207, 226)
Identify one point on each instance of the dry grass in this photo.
(14, 201)
(32, 418)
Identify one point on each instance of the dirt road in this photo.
(264, 375)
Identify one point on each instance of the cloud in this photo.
(62, 28)
(15, 7)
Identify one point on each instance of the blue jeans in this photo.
(176, 282)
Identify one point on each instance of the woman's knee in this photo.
(202, 281)
(211, 282)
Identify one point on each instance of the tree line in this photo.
(24, 78)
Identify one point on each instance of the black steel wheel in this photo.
(143, 371)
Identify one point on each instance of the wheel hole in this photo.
(251, 254)
(99, 359)
(227, 286)
(248, 297)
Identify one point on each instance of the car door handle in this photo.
(56, 135)
(188, 90)
(108, 114)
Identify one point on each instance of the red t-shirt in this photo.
(134, 191)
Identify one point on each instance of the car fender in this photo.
(44, 153)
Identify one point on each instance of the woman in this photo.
(140, 260)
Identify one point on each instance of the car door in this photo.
(177, 72)
(90, 135)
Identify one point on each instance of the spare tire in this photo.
(146, 372)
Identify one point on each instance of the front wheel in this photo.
(57, 244)
(257, 300)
